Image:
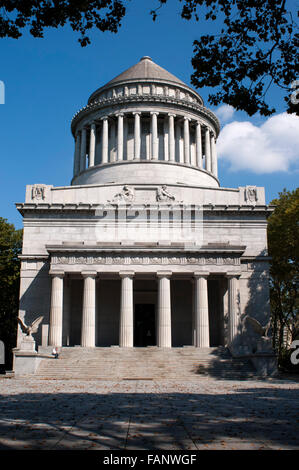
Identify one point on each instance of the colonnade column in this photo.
(186, 141)
(214, 166)
(171, 138)
(208, 150)
(56, 309)
(137, 136)
(201, 314)
(155, 141)
(233, 306)
(198, 145)
(105, 140)
(83, 150)
(126, 310)
(120, 137)
(77, 153)
(92, 144)
(164, 310)
(89, 310)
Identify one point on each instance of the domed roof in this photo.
(145, 69)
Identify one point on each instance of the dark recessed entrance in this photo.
(144, 325)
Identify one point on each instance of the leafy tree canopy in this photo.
(283, 236)
(253, 48)
(10, 248)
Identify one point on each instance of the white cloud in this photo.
(224, 112)
(273, 146)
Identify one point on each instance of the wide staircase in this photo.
(150, 363)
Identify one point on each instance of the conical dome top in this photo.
(145, 69)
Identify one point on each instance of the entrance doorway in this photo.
(144, 325)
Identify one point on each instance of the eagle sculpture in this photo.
(257, 327)
(28, 330)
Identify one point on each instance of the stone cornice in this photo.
(154, 99)
(146, 247)
(46, 208)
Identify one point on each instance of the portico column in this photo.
(201, 314)
(120, 137)
(137, 136)
(164, 310)
(155, 142)
(56, 309)
(186, 141)
(92, 144)
(83, 150)
(198, 145)
(89, 310)
(208, 150)
(233, 306)
(77, 153)
(126, 310)
(214, 156)
(171, 138)
(105, 140)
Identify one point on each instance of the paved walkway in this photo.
(200, 414)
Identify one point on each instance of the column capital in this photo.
(171, 115)
(186, 118)
(103, 118)
(136, 112)
(89, 273)
(123, 274)
(152, 113)
(119, 115)
(198, 274)
(233, 274)
(167, 274)
(56, 273)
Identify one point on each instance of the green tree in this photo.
(283, 236)
(253, 46)
(10, 248)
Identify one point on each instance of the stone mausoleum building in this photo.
(144, 247)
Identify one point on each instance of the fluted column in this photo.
(120, 137)
(186, 141)
(83, 150)
(66, 331)
(178, 141)
(198, 145)
(201, 314)
(233, 306)
(214, 156)
(92, 144)
(137, 136)
(126, 310)
(77, 153)
(171, 138)
(208, 150)
(155, 142)
(89, 310)
(164, 309)
(105, 140)
(56, 309)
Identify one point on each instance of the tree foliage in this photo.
(253, 48)
(283, 236)
(10, 248)
(81, 15)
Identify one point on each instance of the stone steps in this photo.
(144, 363)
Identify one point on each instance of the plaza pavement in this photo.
(136, 414)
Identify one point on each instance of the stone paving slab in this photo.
(206, 414)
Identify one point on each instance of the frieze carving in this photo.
(146, 259)
(251, 194)
(127, 195)
(38, 192)
(163, 194)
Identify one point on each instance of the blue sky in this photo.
(48, 80)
